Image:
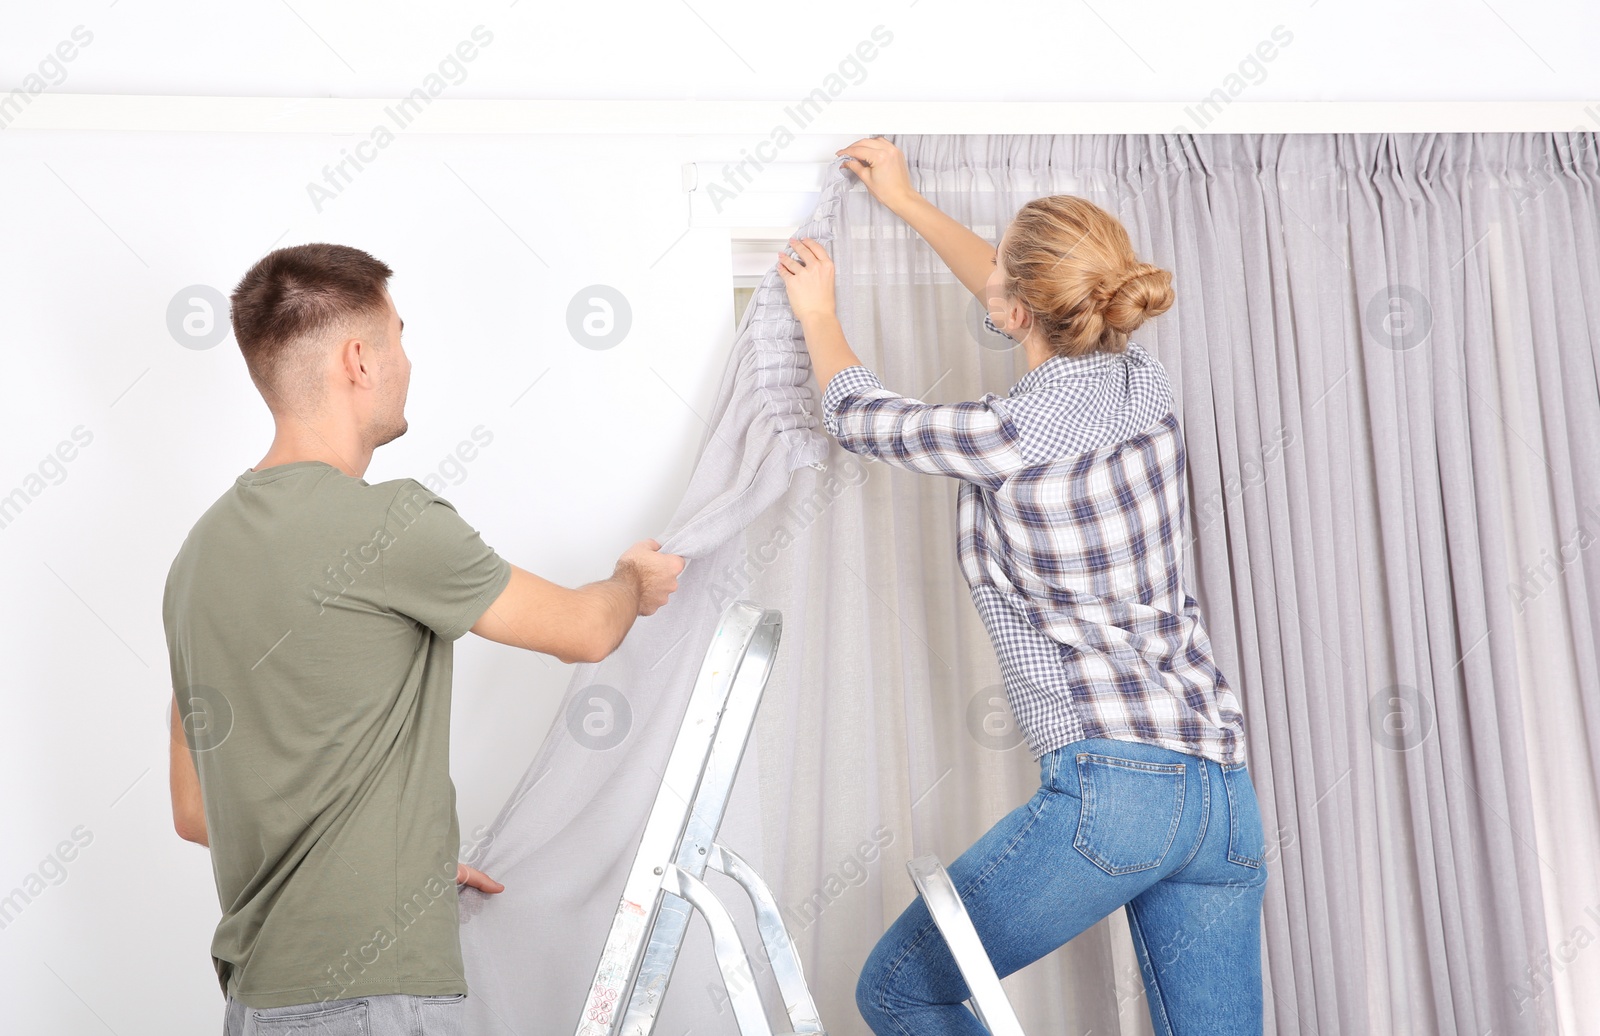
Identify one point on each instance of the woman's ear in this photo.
(1018, 318)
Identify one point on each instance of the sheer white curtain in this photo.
(1384, 360)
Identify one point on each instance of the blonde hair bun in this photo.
(1142, 291)
(1070, 262)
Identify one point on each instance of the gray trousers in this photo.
(393, 1014)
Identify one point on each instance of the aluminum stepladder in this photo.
(665, 884)
(989, 1001)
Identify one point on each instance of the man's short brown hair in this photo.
(297, 293)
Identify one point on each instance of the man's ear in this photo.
(358, 358)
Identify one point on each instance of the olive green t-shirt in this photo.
(310, 621)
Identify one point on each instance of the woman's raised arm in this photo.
(881, 166)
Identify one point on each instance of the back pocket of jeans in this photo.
(1246, 840)
(444, 1015)
(1129, 812)
(343, 1018)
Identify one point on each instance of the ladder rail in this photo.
(709, 803)
(781, 952)
(989, 1000)
(732, 961)
(665, 883)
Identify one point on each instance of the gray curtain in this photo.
(1383, 352)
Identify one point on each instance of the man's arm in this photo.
(588, 623)
(188, 808)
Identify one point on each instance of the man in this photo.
(310, 619)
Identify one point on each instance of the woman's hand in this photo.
(808, 280)
(881, 166)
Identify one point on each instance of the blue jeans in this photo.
(1174, 838)
(391, 1014)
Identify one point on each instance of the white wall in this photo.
(490, 236)
(590, 458)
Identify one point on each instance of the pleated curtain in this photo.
(1383, 353)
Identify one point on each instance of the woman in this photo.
(1071, 517)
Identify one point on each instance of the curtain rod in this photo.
(419, 113)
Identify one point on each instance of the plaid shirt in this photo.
(1071, 515)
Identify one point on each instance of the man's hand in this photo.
(653, 574)
(477, 879)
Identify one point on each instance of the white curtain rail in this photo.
(20, 110)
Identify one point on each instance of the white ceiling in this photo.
(742, 50)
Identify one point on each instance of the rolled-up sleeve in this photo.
(974, 441)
